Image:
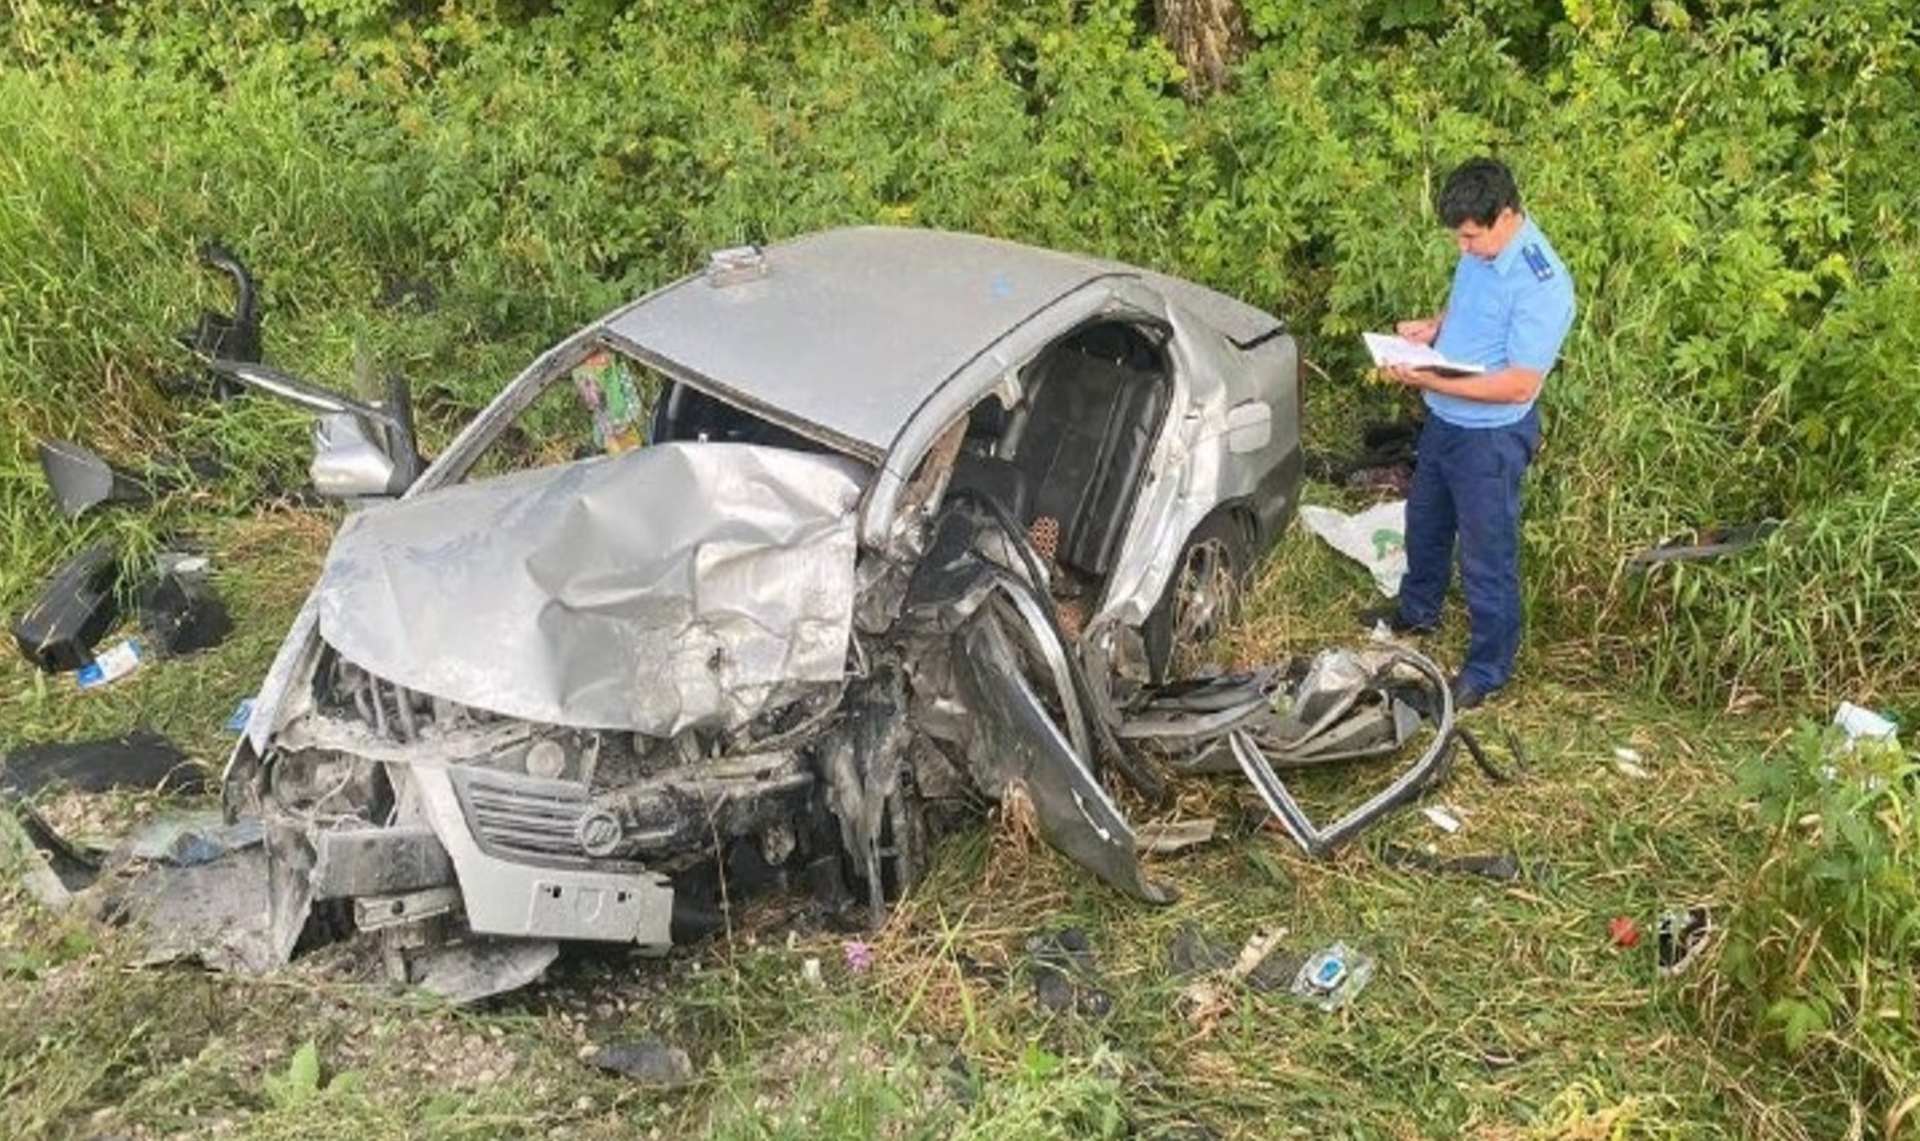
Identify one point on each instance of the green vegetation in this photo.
(444, 188)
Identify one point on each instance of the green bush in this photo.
(1825, 944)
(1727, 180)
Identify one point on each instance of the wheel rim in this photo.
(1208, 595)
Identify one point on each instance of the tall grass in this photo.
(1730, 183)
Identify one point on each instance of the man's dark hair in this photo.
(1476, 191)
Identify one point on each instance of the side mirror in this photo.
(219, 336)
(80, 478)
(360, 449)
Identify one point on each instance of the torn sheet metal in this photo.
(673, 587)
(215, 912)
(1361, 671)
(1018, 745)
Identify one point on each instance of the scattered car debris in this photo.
(1442, 818)
(1500, 867)
(185, 837)
(80, 479)
(1258, 964)
(141, 759)
(460, 972)
(215, 913)
(1065, 977)
(648, 1061)
(110, 665)
(1193, 953)
(1708, 543)
(1167, 837)
(23, 839)
(219, 336)
(1679, 938)
(1343, 705)
(180, 612)
(1623, 932)
(1332, 976)
(75, 609)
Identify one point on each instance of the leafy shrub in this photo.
(1728, 181)
(1825, 944)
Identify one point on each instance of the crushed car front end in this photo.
(783, 641)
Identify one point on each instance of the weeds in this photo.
(444, 191)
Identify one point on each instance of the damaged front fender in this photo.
(1017, 745)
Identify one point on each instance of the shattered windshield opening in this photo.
(609, 403)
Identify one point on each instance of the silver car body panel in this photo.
(925, 303)
(672, 587)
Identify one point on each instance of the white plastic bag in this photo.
(1376, 538)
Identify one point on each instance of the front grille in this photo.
(523, 816)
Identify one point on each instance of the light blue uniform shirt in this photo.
(1513, 310)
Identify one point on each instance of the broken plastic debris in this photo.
(1441, 818)
(1174, 835)
(1626, 762)
(1706, 543)
(1680, 938)
(1623, 931)
(20, 856)
(180, 612)
(1332, 975)
(186, 837)
(242, 713)
(1501, 867)
(76, 608)
(111, 665)
(140, 759)
(1065, 976)
(646, 1060)
(1862, 724)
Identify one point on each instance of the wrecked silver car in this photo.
(897, 523)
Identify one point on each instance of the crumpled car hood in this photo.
(675, 586)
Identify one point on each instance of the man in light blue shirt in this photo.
(1509, 309)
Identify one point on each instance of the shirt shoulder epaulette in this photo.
(1536, 260)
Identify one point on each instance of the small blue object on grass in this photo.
(110, 665)
(243, 712)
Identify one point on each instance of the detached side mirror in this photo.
(80, 478)
(356, 457)
(359, 449)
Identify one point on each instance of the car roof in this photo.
(850, 330)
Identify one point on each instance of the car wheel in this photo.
(1206, 593)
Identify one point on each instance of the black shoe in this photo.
(1466, 695)
(1389, 614)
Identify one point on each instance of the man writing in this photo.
(1509, 309)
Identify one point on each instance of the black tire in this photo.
(1206, 593)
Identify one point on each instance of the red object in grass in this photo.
(1623, 931)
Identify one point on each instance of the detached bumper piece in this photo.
(1348, 705)
(74, 610)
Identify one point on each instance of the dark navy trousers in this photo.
(1466, 488)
